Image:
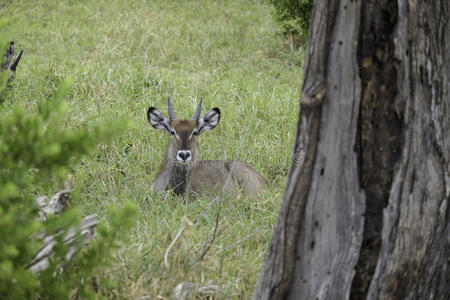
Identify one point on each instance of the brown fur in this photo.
(193, 176)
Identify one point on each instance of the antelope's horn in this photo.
(170, 110)
(196, 115)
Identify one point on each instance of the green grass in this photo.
(124, 58)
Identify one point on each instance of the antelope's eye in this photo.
(194, 133)
(172, 132)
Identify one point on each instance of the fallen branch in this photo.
(56, 206)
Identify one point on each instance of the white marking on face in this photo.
(184, 156)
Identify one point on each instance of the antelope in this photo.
(182, 172)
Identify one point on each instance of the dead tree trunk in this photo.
(365, 212)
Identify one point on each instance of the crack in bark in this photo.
(380, 130)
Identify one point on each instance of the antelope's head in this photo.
(183, 144)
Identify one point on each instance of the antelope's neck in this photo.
(178, 178)
(175, 176)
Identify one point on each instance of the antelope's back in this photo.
(227, 176)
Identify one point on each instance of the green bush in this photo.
(34, 148)
(294, 16)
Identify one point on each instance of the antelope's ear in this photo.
(159, 121)
(209, 120)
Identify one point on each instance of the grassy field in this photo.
(123, 58)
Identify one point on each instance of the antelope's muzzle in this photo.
(184, 156)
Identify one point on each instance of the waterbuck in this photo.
(183, 173)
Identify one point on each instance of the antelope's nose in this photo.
(184, 156)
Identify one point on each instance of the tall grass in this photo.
(127, 55)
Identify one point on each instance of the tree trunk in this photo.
(365, 213)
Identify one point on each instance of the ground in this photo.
(126, 56)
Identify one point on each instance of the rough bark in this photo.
(413, 259)
(365, 212)
(317, 237)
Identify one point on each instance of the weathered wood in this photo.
(186, 290)
(413, 260)
(365, 212)
(87, 231)
(56, 206)
(380, 128)
(319, 230)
